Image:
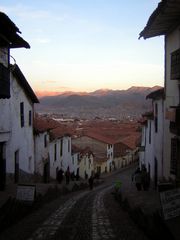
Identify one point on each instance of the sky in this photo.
(85, 45)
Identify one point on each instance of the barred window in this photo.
(174, 156)
(175, 65)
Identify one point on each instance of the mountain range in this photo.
(102, 103)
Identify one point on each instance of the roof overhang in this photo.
(9, 34)
(158, 94)
(163, 20)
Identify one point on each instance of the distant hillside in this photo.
(102, 103)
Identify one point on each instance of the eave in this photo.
(163, 20)
(9, 36)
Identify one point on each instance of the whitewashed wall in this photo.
(41, 152)
(63, 161)
(159, 138)
(86, 165)
(149, 148)
(172, 43)
(21, 138)
(75, 164)
(5, 124)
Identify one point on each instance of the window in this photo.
(68, 145)
(149, 132)
(55, 155)
(22, 114)
(4, 82)
(156, 118)
(30, 118)
(45, 140)
(61, 147)
(175, 65)
(174, 156)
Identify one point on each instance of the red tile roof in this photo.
(42, 124)
(59, 132)
(99, 137)
(132, 141)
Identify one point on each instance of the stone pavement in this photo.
(147, 201)
(41, 188)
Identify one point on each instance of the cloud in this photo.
(28, 12)
(42, 40)
(24, 11)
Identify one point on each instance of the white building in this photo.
(165, 21)
(86, 163)
(16, 104)
(60, 152)
(102, 148)
(75, 154)
(52, 149)
(41, 150)
(151, 151)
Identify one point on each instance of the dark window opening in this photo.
(156, 118)
(175, 65)
(4, 82)
(22, 114)
(174, 156)
(149, 132)
(45, 140)
(55, 155)
(61, 147)
(30, 118)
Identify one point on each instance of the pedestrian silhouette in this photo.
(91, 182)
(138, 179)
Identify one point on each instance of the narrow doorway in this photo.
(2, 166)
(46, 173)
(155, 172)
(16, 167)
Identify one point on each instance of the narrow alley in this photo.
(89, 214)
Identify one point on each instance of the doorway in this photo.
(155, 172)
(2, 166)
(16, 166)
(46, 172)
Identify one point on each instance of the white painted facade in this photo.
(110, 157)
(100, 147)
(165, 21)
(158, 106)
(172, 43)
(18, 140)
(149, 147)
(60, 155)
(75, 163)
(41, 153)
(152, 141)
(86, 165)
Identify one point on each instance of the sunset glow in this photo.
(86, 45)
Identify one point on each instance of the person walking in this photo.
(138, 179)
(67, 175)
(145, 179)
(91, 182)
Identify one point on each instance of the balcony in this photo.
(175, 125)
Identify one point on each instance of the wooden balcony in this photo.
(175, 125)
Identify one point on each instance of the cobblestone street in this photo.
(84, 215)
